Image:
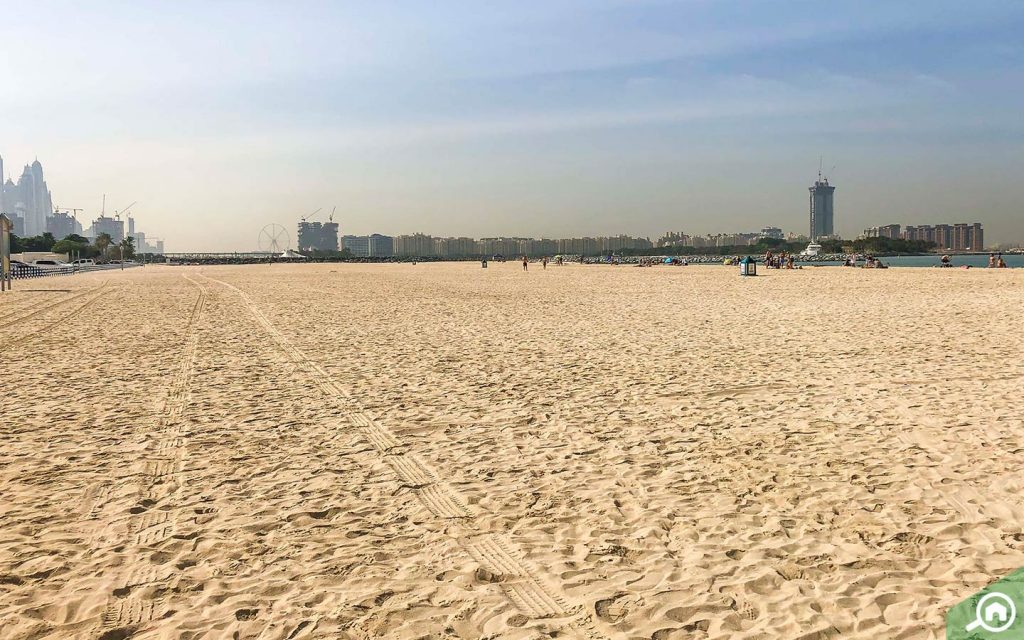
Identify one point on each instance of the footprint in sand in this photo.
(614, 608)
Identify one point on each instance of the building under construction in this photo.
(822, 212)
(318, 236)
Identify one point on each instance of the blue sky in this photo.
(556, 118)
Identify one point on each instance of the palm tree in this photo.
(128, 248)
(102, 242)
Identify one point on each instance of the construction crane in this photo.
(117, 214)
(331, 217)
(312, 215)
(72, 210)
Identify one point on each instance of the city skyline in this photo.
(628, 118)
(326, 236)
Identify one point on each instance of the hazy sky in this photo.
(553, 118)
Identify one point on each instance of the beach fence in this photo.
(23, 271)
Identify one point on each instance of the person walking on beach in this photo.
(991, 261)
(544, 262)
(526, 264)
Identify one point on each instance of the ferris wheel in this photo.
(274, 239)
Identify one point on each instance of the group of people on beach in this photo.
(870, 262)
(996, 261)
(543, 262)
(782, 260)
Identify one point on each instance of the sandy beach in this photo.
(442, 451)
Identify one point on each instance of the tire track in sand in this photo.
(46, 307)
(34, 305)
(139, 597)
(523, 584)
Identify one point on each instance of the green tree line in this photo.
(102, 248)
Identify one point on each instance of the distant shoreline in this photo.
(703, 259)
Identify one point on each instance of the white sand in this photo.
(441, 451)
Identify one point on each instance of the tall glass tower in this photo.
(821, 208)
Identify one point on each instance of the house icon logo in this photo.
(990, 613)
(995, 613)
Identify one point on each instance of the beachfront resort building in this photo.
(454, 247)
(373, 246)
(422, 245)
(358, 246)
(381, 246)
(415, 245)
(891, 231)
(680, 239)
(822, 212)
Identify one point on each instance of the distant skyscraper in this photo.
(30, 198)
(822, 213)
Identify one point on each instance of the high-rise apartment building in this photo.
(61, 225)
(942, 236)
(961, 236)
(822, 211)
(968, 237)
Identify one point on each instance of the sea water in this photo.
(1012, 260)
